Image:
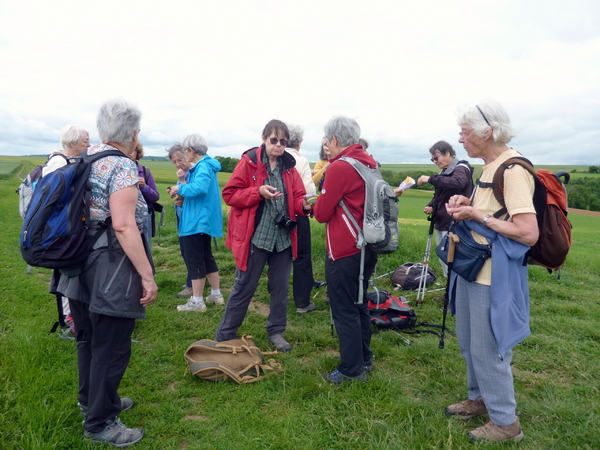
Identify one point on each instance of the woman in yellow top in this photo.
(321, 166)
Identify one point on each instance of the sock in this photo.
(215, 291)
(197, 299)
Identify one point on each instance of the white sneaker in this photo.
(192, 306)
(217, 299)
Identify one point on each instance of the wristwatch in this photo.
(485, 220)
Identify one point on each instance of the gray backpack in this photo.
(380, 222)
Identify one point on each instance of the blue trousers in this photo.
(488, 375)
(246, 282)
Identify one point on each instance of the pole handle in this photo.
(454, 239)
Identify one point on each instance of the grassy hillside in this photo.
(401, 406)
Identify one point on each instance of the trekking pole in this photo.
(453, 239)
(425, 266)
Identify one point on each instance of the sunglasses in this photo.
(274, 141)
(435, 158)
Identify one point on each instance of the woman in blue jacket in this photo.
(201, 220)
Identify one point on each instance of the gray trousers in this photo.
(246, 282)
(488, 375)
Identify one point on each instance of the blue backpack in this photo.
(55, 230)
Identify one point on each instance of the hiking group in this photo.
(271, 195)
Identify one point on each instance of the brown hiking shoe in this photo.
(495, 433)
(467, 409)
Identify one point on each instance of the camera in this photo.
(285, 221)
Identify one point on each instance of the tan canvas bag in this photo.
(237, 359)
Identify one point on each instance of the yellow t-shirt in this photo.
(518, 196)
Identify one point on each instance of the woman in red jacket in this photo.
(265, 192)
(342, 267)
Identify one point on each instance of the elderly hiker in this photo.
(492, 312)
(265, 193)
(117, 284)
(342, 267)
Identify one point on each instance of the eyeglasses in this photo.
(435, 158)
(274, 141)
(483, 115)
(464, 134)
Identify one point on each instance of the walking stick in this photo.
(453, 239)
(425, 266)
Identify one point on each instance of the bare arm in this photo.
(122, 211)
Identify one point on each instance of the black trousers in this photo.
(103, 353)
(352, 321)
(303, 271)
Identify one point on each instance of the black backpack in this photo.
(55, 230)
(408, 276)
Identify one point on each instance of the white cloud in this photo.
(225, 68)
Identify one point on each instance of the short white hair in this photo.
(487, 114)
(345, 130)
(71, 134)
(197, 143)
(117, 121)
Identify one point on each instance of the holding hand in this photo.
(269, 192)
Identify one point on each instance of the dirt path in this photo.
(584, 212)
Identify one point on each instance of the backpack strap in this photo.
(498, 182)
(360, 243)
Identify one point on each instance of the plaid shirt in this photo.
(268, 235)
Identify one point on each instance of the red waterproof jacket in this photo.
(342, 181)
(241, 193)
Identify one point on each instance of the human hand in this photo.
(180, 175)
(423, 179)
(428, 210)
(149, 292)
(141, 182)
(398, 192)
(173, 191)
(269, 192)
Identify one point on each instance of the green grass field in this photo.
(556, 369)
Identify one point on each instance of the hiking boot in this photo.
(310, 307)
(192, 306)
(217, 299)
(187, 292)
(116, 433)
(467, 409)
(126, 403)
(279, 342)
(337, 378)
(491, 432)
(369, 366)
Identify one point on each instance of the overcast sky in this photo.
(225, 68)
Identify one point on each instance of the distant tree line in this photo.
(227, 163)
(584, 193)
(395, 178)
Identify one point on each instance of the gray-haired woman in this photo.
(492, 312)
(117, 282)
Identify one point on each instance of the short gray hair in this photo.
(296, 136)
(117, 121)
(175, 149)
(197, 143)
(345, 130)
(488, 113)
(71, 134)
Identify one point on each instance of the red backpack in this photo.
(550, 202)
